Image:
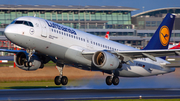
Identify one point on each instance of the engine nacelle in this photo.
(21, 62)
(105, 60)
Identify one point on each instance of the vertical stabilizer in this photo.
(107, 35)
(161, 38)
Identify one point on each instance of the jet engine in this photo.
(105, 60)
(21, 61)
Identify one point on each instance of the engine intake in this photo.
(105, 60)
(21, 62)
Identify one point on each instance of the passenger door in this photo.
(44, 29)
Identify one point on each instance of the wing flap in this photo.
(172, 66)
(150, 53)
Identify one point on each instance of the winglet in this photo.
(107, 35)
(161, 38)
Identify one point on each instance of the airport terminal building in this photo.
(131, 30)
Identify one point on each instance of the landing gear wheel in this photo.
(26, 64)
(57, 81)
(29, 64)
(109, 80)
(64, 80)
(115, 80)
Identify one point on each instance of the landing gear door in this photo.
(44, 29)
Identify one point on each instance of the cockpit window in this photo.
(26, 23)
(19, 22)
(30, 24)
(22, 22)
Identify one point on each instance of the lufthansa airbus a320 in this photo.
(46, 41)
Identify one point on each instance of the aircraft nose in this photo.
(10, 31)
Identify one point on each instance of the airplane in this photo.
(46, 41)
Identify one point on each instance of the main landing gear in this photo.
(112, 80)
(60, 79)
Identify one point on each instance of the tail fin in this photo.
(107, 35)
(176, 47)
(161, 38)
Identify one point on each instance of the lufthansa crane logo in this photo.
(31, 31)
(164, 35)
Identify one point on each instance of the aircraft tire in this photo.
(108, 80)
(25, 64)
(29, 64)
(115, 80)
(57, 81)
(64, 80)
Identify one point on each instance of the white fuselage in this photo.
(67, 45)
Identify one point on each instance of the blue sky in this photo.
(148, 4)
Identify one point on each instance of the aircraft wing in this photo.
(151, 54)
(172, 66)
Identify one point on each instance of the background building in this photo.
(78, 17)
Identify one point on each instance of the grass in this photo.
(50, 63)
(27, 84)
